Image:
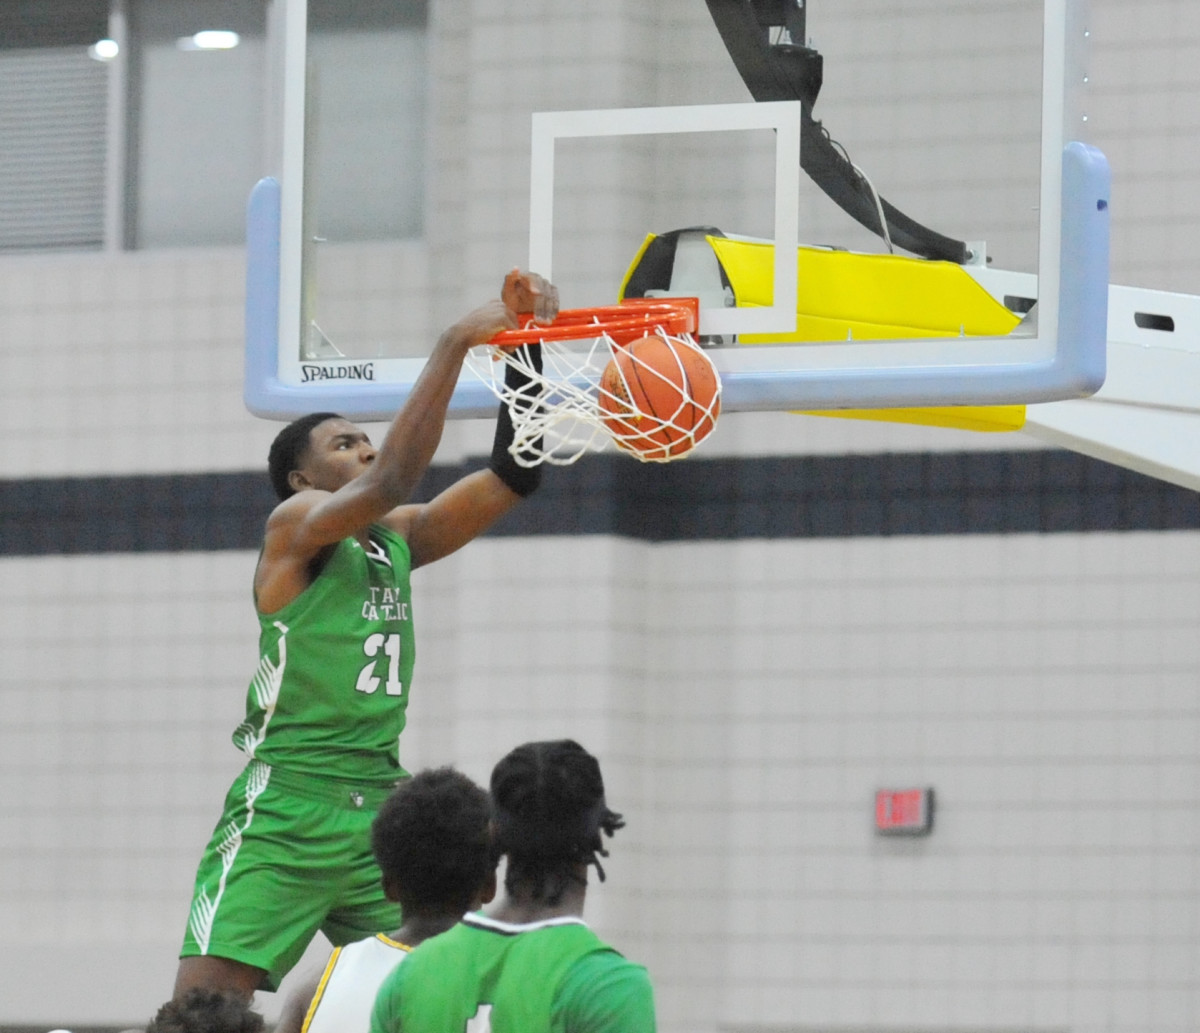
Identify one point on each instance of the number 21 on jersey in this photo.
(368, 678)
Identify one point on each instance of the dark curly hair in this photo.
(432, 840)
(207, 1011)
(288, 448)
(548, 800)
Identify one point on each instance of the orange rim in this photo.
(625, 322)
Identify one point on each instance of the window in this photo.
(53, 107)
(161, 147)
(196, 121)
(366, 129)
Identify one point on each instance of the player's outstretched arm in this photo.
(347, 484)
(414, 434)
(353, 485)
(470, 506)
(407, 448)
(460, 513)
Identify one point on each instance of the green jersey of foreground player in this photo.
(531, 964)
(291, 853)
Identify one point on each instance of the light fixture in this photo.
(104, 50)
(209, 39)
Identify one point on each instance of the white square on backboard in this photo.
(781, 116)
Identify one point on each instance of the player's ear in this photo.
(390, 889)
(298, 481)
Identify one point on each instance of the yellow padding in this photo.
(984, 418)
(880, 295)
(637, 260)
(843, 295)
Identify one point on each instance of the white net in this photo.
(655, 398)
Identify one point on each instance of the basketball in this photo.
(659, 397)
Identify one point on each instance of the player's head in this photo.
(550, 812)
(321, 450)
(432, 840)
(207, 1011)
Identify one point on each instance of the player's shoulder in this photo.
(605, 970)
(295, 507)
(607, 961)
(605, 992)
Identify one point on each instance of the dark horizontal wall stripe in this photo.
(879, 495)
(154, 513)
(700, 499)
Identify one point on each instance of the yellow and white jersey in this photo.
(342, 1003)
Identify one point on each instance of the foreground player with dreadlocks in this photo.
(531, 965)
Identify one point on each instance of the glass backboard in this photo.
(972, 120)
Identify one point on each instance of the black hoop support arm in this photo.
(790, 71)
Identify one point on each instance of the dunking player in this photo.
(434, 847)
(324, 711)
(531, 965)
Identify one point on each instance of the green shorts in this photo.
(290, 855)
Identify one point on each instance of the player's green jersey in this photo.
(484, 976)
(331, 689)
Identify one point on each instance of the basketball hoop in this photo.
(621, 323)
(631, 374)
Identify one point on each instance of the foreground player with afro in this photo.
(207, 1011)
(433, 842)
(530, 964)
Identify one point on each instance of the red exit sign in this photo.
(904, 812)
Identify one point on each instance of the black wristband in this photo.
(523, 480)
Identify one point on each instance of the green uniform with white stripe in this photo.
(483, 976)
(324, 712)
